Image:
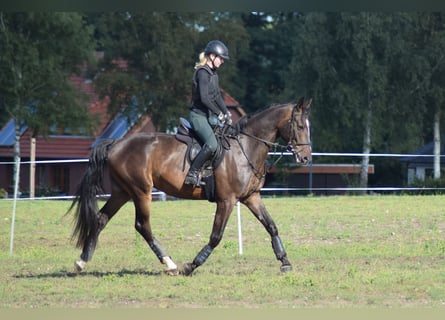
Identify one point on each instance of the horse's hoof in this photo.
(286, 268)
(78, 266)
(187, 269)
(173, 272)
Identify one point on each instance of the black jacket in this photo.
(206, 94)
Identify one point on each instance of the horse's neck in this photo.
(262, 135)
(265, 125)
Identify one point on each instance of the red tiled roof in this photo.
(66, 147)
(54, 147)
(120, 63)
(85, 86)
(229, 100)
(58, 147)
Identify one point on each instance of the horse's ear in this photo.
(298, 105)
(300, 102)
(307, 105)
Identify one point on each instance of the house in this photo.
(316, 178)
(421, 164)
(62, 178)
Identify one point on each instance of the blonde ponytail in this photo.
(202, 60)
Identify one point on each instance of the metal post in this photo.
(32, 168)
(240, 236)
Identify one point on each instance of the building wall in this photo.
(6, 176)
(319, 181)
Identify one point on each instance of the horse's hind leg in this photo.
(104, 216)
(257, 207)
(142, 225)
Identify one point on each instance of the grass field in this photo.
(357, 251)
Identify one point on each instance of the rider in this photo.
(208, 106)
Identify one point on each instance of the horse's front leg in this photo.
(257, 207)
(223, 211)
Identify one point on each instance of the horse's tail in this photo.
(85, 201)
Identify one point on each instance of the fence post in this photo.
(240, 236)
(14, 206)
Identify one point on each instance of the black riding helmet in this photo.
(218, 48)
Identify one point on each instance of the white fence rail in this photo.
(163, 196)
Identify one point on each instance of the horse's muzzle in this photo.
(304, 155)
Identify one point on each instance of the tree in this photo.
(160, 50)
(354, 66)
(324, 65)
(270, 52)
(367, 72)
(427, 63)
(39, 53)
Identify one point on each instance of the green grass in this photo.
(359, 251)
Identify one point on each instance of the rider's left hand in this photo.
(228, 118)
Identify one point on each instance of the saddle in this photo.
(187, 135)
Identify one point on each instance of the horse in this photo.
(143, 161)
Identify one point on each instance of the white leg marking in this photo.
(172, 268)
(79, 265)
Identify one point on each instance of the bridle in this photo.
(294, 148)
(292, 137)
(290, 147)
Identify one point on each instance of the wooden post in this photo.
(32, 168)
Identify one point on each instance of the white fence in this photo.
(163, 196)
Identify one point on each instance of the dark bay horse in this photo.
(141, 162)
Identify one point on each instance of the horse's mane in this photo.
(268, 108)
(242, 122)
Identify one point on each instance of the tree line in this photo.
(375, 78)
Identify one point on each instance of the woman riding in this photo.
(208, 107)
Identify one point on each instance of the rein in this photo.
(271, 144)
(274, 145)
(289, 148)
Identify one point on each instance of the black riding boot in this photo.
(193, 174)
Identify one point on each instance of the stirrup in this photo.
(194, 178)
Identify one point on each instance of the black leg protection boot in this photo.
(193, 174)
